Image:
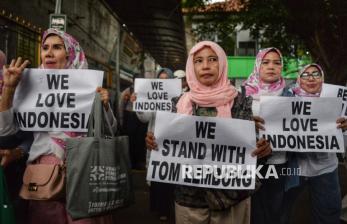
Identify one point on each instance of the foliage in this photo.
(216, 28)
(294, 26)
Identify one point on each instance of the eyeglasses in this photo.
(315, 75)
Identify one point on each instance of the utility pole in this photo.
(57, 6)
(58, 20)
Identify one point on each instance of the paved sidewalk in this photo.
(139, 212)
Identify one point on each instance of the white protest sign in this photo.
(329, 90)
(55, 100)
(203, 152)
(156, 94)
(302, 124)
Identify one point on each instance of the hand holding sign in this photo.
(105, 97)
(342, 123)
(133, 97)
(150, 141)
(263, 149)
(259, 122)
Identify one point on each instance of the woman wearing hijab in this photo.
(161, 194)
(211, 94)
(59, 50)
(266, 80)
(317, 170)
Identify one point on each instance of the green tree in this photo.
(295, 26)
(215, 27)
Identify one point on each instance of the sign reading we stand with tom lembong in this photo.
(203, 151)
(55, 100)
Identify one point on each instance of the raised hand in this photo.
(105, 96)
(12, 73)
(263, 148)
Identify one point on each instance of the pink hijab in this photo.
(298, 91)
(220, 95)
(253, 84)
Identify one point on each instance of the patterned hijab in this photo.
(220, 95)
(76, 60)
(254, 85)
(298, 91)
(76, 56)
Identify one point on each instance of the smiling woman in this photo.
(319, 170)
(310, 80)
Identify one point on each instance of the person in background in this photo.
(59, 50)
(266, 80)
(134, 128)
(180, 74)
(160, 194)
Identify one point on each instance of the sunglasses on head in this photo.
(315, 75)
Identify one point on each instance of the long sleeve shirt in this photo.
(44, 143)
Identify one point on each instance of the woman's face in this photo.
(270, 68)
(163, 75)
(206, 66)
(311, 80)
(53, 53)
